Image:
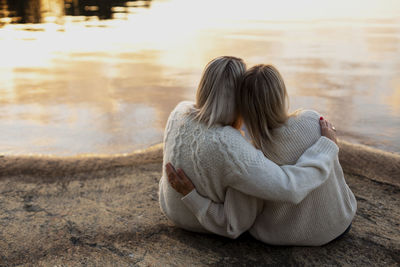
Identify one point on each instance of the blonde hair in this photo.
(215, 97)
(262, 103)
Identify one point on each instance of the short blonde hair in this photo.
(215, 97)
(262, 103)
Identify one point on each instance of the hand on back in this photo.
(178, 180)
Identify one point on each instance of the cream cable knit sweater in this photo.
(219, 159)
(320, 217)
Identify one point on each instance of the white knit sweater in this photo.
(223, 166)
(322, 216)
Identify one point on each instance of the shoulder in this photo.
(304, 118)
(181, 110)
(301, 125)
(183, 107)
(290, 141)
(185, 104)
(307, 114)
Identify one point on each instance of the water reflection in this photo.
(38, 11)
(85, 85)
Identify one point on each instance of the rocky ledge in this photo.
(103, 211)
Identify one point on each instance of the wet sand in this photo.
(103, 211)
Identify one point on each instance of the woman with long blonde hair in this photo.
(321, 216)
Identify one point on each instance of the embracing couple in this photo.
(236, 161)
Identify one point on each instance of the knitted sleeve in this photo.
(253, 174)
(231, 218)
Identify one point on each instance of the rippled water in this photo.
(85, 83)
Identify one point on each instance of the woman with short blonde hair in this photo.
(215, 97)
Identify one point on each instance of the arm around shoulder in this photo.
(264, 179)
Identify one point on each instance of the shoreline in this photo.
(355, 159)
(343, 136)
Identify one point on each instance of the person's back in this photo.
(190, 133)
(188, 143)
(325, 213)
(214, 157)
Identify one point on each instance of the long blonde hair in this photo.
(215, 97)
(262, 103)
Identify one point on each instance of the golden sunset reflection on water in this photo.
(78, 84)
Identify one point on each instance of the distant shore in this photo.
(103, 210)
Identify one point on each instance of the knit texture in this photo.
(325, 213)
(221, 164)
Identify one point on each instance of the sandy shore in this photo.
(103, 211)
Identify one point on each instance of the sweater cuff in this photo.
(195, 202)
(325, 145)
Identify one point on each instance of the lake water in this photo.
(92, 79)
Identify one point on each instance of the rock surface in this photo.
(103, 211)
